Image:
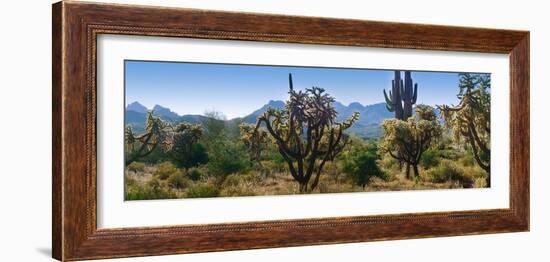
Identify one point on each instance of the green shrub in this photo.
(136, 167)
(479, 176)
(451, 154)
(178, 180)
(361, 167)
(165, 170)
(194, 174)
(445, 171)
(467, 160)
(158, 155)
(389, 164)
(227, 157)
(430, 158)
(448, 170)
(195, 157)
(477, 172)
(202, 190)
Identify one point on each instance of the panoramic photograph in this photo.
(201, 130)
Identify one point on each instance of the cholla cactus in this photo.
(157, 134)
(255, 140)
(406, 141)
(470, 120)
(306, 133)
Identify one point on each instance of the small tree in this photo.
(184, 150)
(306, 133)
(471, 119)
(157, 134)
(407, 140)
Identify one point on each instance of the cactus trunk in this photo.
(408, 95)
(393, 102)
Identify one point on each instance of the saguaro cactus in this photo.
(393, 102)
(401, 91)
(408, 95)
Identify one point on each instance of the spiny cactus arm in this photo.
(253, 139)
(266, 118)
(330, 153)
(349, 122)
(337, 142)
(290, 85)
(129, 136)
(319, 133)
(415, 93)
(309, 139)
(482, 145)
(471, 140)
(290, 164)
(389, 102)
(139, 153)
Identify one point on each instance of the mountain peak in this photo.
(137, 107)
(165, 113)
(159, 107)
(355, 105)
(276, 103)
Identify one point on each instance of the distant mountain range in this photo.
(368, 126)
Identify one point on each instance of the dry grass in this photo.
(257, 183)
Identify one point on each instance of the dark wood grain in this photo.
(57, 195)
(76, 26)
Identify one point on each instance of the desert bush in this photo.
(333, 171)
(165, 170)
(448, 170)
(136, 167)
(430, 158)
(251, 178)
(156, 156)
(226, 157)
(197, 155)
(202, 190)
(479, 176)
(270, 167)
(152, 190)
(178, 180)
(195, 174)
(240, 184)
(480, 183)
(467, 160)
(329, 185)
(361, 167)
(389, 164)
(476, 172)
(129, 180)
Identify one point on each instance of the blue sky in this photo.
(237, 90)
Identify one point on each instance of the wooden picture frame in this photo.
(76, 26)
